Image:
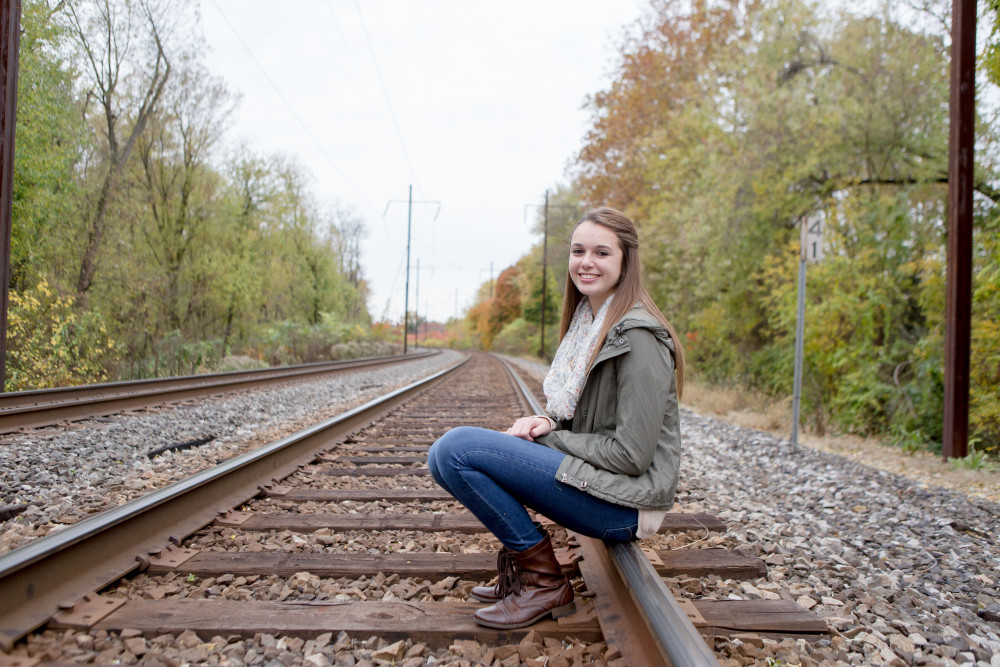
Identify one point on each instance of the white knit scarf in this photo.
(568, 371)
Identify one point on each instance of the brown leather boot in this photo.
(540, 590)
(506, 577)
(506, 573)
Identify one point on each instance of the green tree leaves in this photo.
(139, 247)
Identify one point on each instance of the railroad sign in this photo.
(811, 238)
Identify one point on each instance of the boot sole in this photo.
(558, 612)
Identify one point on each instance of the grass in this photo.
(975, 460)
(740, 406)
(903, 453)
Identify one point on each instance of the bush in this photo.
(52, 342)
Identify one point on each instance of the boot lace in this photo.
(508, 574)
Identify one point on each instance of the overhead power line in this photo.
(385, 94)
(291, 110)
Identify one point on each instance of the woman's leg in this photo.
(496, 475)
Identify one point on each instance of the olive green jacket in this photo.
(624, 440)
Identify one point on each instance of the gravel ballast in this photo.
(65, 474)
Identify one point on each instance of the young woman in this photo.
(603, 461)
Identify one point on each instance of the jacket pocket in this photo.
(606, 406)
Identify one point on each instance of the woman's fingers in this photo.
(540, 427)
(528, 428)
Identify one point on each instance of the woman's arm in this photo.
(644, 388)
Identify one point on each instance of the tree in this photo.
(48, 147)
(727, 123)
(181, 191)
(124, 51)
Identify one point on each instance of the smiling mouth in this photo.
(588, 276)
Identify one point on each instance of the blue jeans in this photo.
(496, 475)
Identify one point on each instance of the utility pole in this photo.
(545, 255)
(409, 224)
(545, 261)
(10, 36)
(416, 300)
(406, 299)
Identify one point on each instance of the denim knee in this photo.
(442, 455)
(449, 446)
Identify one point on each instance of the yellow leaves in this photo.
(52, 342)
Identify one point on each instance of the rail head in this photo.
(677, 640)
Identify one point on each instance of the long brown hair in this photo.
(629, 290)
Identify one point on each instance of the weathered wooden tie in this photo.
(460, 521)
(374, 460)
(356, 495)
(729, 564)
(372, 471)
(437, 624)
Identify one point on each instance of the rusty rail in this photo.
(29, 409)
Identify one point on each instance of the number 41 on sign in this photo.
(811, 238)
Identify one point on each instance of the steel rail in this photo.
(41, 407)
(60, 568)
(668, 630)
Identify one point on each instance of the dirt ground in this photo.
(924, 467)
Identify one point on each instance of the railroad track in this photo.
(346, 532)
(29, 409)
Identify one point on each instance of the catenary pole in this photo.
(10, 37)
(409, 227)
(416, 302)
(545, 256)
(958, 299)
(406, 299)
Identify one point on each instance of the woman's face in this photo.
(595, 262)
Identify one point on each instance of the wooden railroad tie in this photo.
(460, 521)
(730, 564)
(356, 495)
(437, 624)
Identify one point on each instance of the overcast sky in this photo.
(477, 104)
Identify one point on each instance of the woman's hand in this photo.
(529, 428)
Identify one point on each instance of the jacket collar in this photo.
(616, 343)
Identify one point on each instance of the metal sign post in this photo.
(810, 250)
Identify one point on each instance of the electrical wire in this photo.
(291, 109)
(385, 94)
